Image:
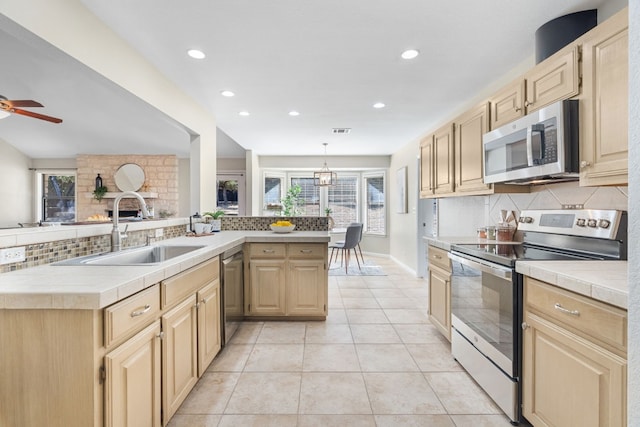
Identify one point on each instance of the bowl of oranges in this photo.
(282, 227)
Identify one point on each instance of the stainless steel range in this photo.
(486, 291)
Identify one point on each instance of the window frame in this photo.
(39, 191)
(361, 211)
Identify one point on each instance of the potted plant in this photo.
(216, 222)
(99, 192)
(331, 222)
(292, 202)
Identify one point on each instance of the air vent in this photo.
(341, 130)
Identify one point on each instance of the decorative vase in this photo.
(216, 224)
(98, 181)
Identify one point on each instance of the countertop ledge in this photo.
(95, 287)
(605, 281)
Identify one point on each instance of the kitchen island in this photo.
(120, 345)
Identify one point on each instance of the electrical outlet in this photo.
(11, 255)
(159, 232)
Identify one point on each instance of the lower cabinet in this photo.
(439, 268)
(574, 373)
(133, 381)
(286, 280)
(179, 354)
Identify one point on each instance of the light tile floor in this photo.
(375, 361)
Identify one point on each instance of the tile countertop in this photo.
(604, 281)
(95, 287)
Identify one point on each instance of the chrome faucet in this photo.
(116, 236)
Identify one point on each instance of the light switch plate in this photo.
(11, 255)
(159, 232)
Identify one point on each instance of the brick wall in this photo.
(161, 176)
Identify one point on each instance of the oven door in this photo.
(485, 309)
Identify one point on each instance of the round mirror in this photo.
(129, 177)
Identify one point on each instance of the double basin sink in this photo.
(147, 255)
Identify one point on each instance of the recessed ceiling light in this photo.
(243, 113)
(196, 54)
(410, 54)
(294, 113)
(379, 105)
(227, 93)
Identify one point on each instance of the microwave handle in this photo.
(539, 128)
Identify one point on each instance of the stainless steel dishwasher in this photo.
(232, 292)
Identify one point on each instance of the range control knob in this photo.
(581, 222)
(604, 223)
(525, 219)
(592, 223)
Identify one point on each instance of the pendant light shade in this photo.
(324, 177)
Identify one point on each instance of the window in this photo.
(343, 200)
(231, 193)
(310, 194)
(58, 196)
(357, 197)
(375, 210)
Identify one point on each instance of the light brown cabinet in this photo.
(574, 359)
(286, 280)
(437, 162)
(469, 128)
(554, 79)
(209, 328)
(439, 268)
(604, 114)
(133, 373)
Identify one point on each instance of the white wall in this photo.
(402, 226)
(633, 385)
(16, 190)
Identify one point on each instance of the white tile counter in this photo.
(95, 287)
(605, 281)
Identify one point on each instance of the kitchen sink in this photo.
(147, 255)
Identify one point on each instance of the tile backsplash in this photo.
(461, 216)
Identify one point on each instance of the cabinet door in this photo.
(132, 386)
(468, 149)
(233, 289)
(554, 79)
(426, 167)
(267, 287)
(440, 301)
(443, 160)
(508, 104)
(208, 325)
(306, 284)
(568, 381)
(179, 354)
(604, 114)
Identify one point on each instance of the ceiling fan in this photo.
(9, 106)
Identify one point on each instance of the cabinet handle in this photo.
(528, 104)
(137, 313)
(584, 164)
(437, 257)
(305, 251)
(268, 251)
(560, 308)
(518, 109)
(524, 326)
(203, 301)
(160, 335)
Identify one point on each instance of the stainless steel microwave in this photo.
(537, 148)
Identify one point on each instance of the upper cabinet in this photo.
(443, 159)
(426, 167)
(604, 114)
(552, 80)
(469, 129)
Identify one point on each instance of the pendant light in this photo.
(324, 177)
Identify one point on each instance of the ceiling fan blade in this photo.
(21, 103)
(36, 115)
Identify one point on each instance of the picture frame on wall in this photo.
(401, 179)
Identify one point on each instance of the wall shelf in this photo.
(113, 195)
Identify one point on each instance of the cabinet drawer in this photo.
(130, 314)
(306, 250)
(175, 288)
(267, 250)
(598, 320)
(439, 258)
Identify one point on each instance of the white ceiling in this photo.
(330, 60)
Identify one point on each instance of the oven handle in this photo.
(502, 272)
